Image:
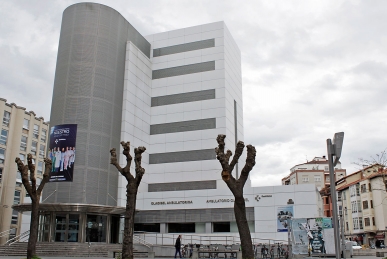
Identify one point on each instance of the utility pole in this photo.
(334, 153)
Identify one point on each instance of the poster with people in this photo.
(314, 235)
(62, 152)
(284, 213)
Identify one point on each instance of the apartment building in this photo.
(315, 172)
(363, 200)
(22, 132)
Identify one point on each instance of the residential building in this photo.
(364, 204)
(315, 172)
(21, 133)
(172, 92)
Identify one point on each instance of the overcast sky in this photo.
(309, 68)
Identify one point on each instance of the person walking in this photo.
(178, 246)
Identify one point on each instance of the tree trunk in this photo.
(31, 249)
(127, 244)
(243, 227)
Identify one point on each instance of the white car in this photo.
(355, 245)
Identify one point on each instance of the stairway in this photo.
(63, 249)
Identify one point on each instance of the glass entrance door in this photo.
(96, 228)
(66, 227)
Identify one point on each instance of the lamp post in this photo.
(334, 153)
(290, 250)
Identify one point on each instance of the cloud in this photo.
(310, 68)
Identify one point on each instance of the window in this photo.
(15, 216)
(221, 226)
(345, 211)
(317, 178)
(41, 151)
(23, 143)
(3, 137)
(358, 206)
(34, 147)
(372, 204)
(357, 190)
(181, 227)
(40, 168)
(43, 136)
(22, 157)
(6, 118)
(1, 173)
(373, 221)
(346, 226)
(16, 198)
(361, 223)
(344, 196)
(367, 222)
(363, 188)
(26, 124)
(35, 134)
(369, 187)
(365, 205)
(148, 227)
(355, 223)
(326, 168)
(305, 179)
(327, 179)
(2, 156)
(354, 206)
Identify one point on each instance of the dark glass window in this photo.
(154, 227)
(96, 228)
(181, 227)
(221, 226)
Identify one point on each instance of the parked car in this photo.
(355, 245)
(382, 246)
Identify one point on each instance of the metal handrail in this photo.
(17, 238)
(142, 241)
(4, 233)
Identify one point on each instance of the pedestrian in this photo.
(178, 246)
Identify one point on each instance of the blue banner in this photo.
(62, 152)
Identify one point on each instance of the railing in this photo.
(205, 239)
(19, 238)
(141, 241)
(6, 232)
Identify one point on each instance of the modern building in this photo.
(363, 199)
(172, 92)
(21, 133)
(315, 172)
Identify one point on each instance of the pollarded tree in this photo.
(236, 187)
(131, 192)
(29, 182)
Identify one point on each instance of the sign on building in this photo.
(62, 152)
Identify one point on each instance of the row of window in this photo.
(363, 188)
(354, 190)
(356, 206)
(26, 126)
(34, 147)
(358, 223)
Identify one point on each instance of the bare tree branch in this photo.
(46, 175)
(31, 167)
(250, 162)
(114, 161)
(137, 159)
(238, 152)
(23, 169)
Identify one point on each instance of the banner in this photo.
(62, 152)
(312, 234)
(284, 213)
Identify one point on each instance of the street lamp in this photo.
(334, 154)
(290, 250)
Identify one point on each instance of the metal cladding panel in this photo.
(183, 70)
(88, 90)
(182, 186)
(203, 44)
(183, 126)
(183, 98)
(182, 156)
(187, 216)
